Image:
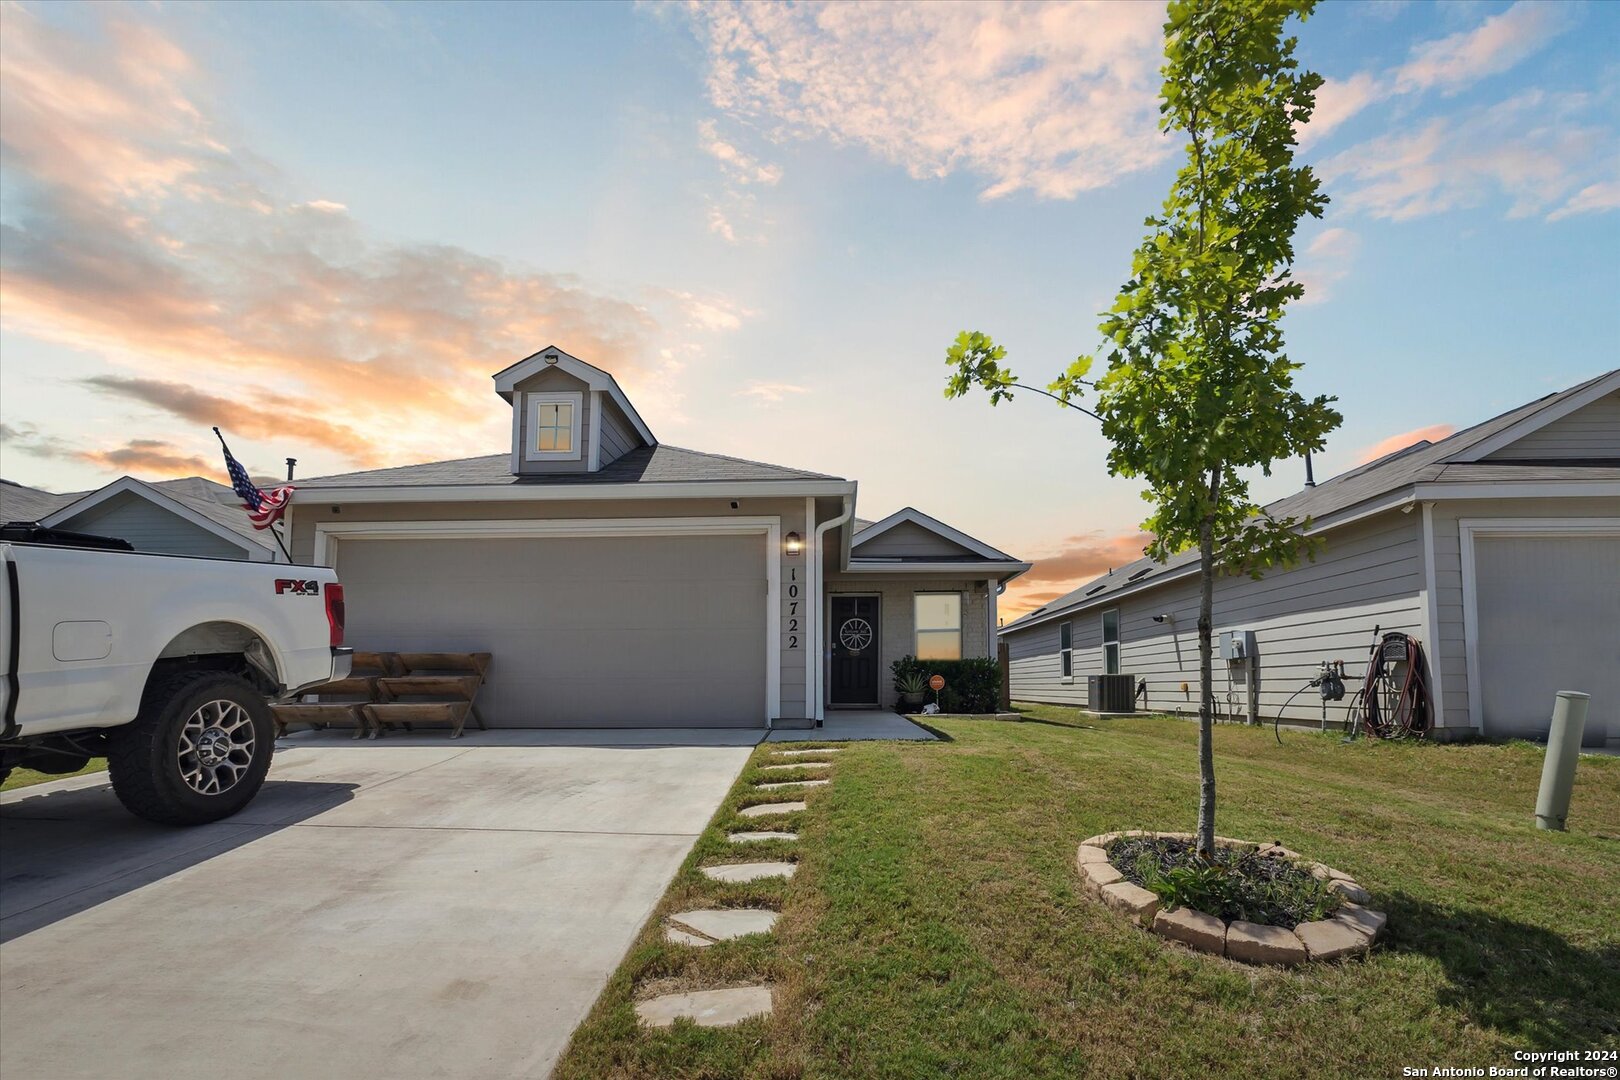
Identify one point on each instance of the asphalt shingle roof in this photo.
(1423, 462)
(19, 502)
(216, 502)
(661, 464)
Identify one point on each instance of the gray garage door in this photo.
(1549, 620)
(586, 632)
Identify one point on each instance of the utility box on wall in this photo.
(1237, 646)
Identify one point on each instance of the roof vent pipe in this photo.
(1310, 477)
(291, 462)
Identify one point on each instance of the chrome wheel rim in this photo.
(216, 747)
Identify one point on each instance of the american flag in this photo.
(264, 508)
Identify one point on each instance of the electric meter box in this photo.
(1237, 645)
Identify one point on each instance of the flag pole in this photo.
(271, 528)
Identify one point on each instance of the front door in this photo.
(854, 626)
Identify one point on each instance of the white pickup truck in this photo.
(164, 663)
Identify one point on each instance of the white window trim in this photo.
(1118, 643)
(1066, 679)
(329, 533)
(961, 611)
(531, 405)
(1467, 530)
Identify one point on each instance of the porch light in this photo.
(794, 544)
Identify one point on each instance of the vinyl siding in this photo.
(1368, 574)
(618, 436)
(909, 538)
(151, 528)
(896, 616)
(551, 381)
(791, 512)
(1589, 432)
(1453, 653)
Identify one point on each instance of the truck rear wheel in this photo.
(197, 752)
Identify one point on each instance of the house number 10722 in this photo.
(792, 602)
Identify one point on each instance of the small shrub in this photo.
(971, 686)
(1237, 883)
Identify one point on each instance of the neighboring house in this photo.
(1499, 548)
(192, 516)
(620, 582)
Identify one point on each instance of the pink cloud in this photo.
(1080, 559)
(1383, 447)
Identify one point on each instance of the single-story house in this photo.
(190, 516)
(622, 582)
(1498, 548)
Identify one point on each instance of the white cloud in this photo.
(1594, 198)
(1501, 41)
(1531, 148)
(770, 392)
(720, 225)
(1449, 64)
(739, 167)
(1052, 99)
(1326, 262)
(325, 206)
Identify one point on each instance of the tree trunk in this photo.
(1206, 689)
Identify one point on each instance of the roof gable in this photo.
(208, 515)
(1538, 414)
(913, 529)
(507, 380)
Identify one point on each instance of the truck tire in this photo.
(198, 751)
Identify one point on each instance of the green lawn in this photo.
(28, 777)
(936, 926)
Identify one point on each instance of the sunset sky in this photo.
(323, 227)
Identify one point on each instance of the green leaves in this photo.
(977, 361)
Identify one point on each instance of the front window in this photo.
(1066, 648)
(1110, 629)
(938, 622)
(553, 426)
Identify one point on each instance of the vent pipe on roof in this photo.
(1310, 477)
(291, 462)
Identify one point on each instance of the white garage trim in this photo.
(328, 533)
(1467, 530)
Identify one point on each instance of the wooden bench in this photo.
(394, 688)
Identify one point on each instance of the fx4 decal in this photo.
(297, 587)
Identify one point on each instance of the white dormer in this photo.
(567, 415)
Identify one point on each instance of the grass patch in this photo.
(937, 927)
(28, 777)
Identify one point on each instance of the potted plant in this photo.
(912, 685)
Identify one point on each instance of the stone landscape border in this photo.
(1350, 932)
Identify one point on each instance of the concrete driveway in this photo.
(408, 908)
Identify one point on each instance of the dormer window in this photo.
(553, 428)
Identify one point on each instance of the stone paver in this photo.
(803, 753)
(1131, 900)
(1349, 890)
(1087, 853)
(678, 936)
(749, 871)
(1369, 922)
(1203, 932)
(750, 837)
(707, 1008)
(792, 765)
(792, 784)
(767, 809)
(723, 924)
(1258, 944)
(1324, 872)
(1099, 874)
(1330, 939)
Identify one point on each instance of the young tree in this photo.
(1197, 386)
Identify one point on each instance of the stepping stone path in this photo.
(704, 928)
(707, 1008)
(801, 753)
(790, 766)
(749, 871)
(792, 784)
(766, 809)
(749, 837)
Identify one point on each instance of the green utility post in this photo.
(1563, 750)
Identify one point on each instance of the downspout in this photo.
(818, 710)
